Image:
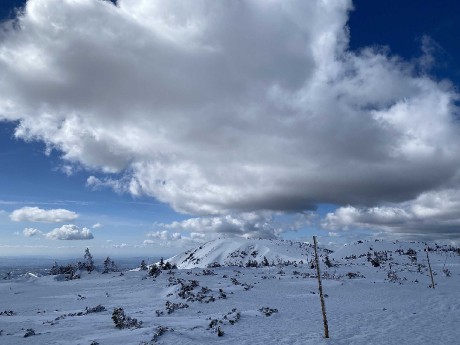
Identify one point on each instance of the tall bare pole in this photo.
(320, 288)
(429, 266)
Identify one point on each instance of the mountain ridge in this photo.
(245, 252)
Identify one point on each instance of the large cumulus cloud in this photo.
(246, 224)
(432, 215)
(226, 107)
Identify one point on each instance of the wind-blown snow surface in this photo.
(389, 304)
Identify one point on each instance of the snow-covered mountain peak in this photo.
(241, 251)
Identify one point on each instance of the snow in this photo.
(230, 252)
(368, 309)
(362, 247)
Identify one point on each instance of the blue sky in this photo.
(133, 134)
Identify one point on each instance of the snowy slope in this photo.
(388, 304)
(239, 251)
(363, 247)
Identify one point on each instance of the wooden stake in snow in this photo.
(320, 288)
(429, 266)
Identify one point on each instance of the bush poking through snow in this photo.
(393, 277)
(252, 263)
(213, 323)
(7, 313)
(235, 281)
(160, 331)
(214, 265)
(186, 289)
(231, 318)
(446, 272)
(268, 311)
(352, 275)
(122, 321)
(208, 272)
(222, 294)
(97, 309)
(29, 332)
(172, 307)
(375, 262)
(328, 262)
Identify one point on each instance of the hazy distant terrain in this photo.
(377, 293)
(18, 266)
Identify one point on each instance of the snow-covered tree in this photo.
(154, 271)
(265, 262)
(89, 262)
(109, 266)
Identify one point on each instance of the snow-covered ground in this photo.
(388, 304)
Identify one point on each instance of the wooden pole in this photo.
(320, 288)
(429, 266)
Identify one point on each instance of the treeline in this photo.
(155, 270)
(73, 271)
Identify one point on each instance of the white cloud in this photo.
(122, 245)
(197, 236)
(167, 239)
(165, 235)
(433, 215)
(249, 224)
(183, 103)
(18, 246)
(97, 226)
(29, 232)
(118, 186)
(35, 214)
(67, 169)
(70, 232)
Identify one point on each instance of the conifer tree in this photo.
(89, 262)
(107, 265)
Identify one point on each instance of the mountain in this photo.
(241, 251)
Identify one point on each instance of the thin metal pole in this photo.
(429, 266)
(320, 288)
